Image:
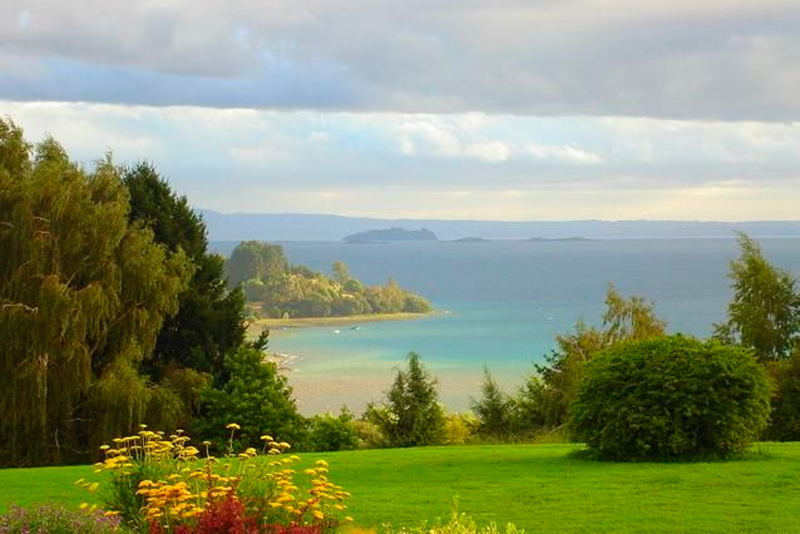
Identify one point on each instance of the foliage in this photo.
(255, 260)
(494, 409)
(176, 491)
(671, 397)
(329, 433)
(459, 523)
(785, 401)
(530, 405)
(297, 291)
(765, 311)
(57, 519)
(459, 428)
(624, 319)
(255, 394)
(411, 415)
(369, 434)
(210, 320)
(83, 295)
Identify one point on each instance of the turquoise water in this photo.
(505, 302)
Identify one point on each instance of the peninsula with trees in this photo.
(277, 290)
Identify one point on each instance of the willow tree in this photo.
(83, 294)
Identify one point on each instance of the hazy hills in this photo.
(310, 227)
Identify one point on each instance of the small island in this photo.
(540, 239)
(299, 296)
(390, 235)
(471, 240)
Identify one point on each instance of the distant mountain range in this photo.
(307, 227)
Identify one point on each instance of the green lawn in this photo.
(537, 487)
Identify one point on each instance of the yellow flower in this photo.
(233, 426)
(267, 438)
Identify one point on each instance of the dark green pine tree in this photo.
(494, 409)
(210, 323)
(411, 415)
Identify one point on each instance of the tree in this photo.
(341, 273)
(256, 396)
(765, 311)
(411, 415)
(624, 319)
(255, 260)
(329, 433)
(210, 322)
(83, 295)
(785, 401)
(530, 406)
(671, 397)
(494, 409)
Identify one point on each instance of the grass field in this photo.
(537, 487)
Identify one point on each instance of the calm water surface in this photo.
(505, 301)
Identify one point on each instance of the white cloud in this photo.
(422, 136)
(564, 154)
(457, 165)
(316, 136)
(489, 151)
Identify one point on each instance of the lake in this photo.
(504, 301)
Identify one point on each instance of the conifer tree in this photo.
(411, 416)
(494, 408)
(210, 322)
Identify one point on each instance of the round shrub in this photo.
(670, 398)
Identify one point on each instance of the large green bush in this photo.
(671, 397)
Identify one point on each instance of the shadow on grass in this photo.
(756, 453)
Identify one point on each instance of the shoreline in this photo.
(307, 322)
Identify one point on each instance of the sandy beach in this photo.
(302, 322)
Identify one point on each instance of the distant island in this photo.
(471, 240)
(390, 235)
(317, 227)
(275, 289)
(537, 239)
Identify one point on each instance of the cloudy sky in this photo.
(526, 110)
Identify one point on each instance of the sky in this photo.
(462, 109)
